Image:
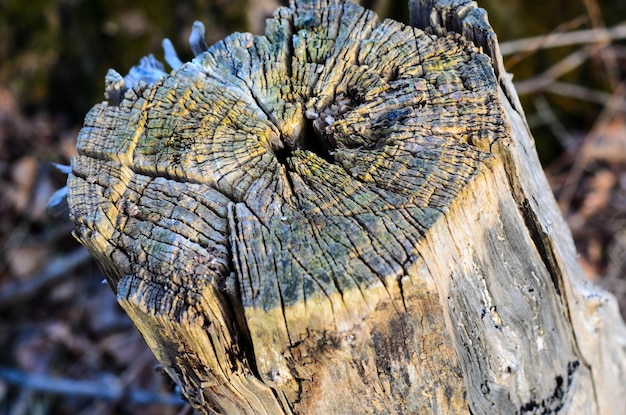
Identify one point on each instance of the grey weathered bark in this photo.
(344, 216)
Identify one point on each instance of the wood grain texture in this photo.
(324, 220)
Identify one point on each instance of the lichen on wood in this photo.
(298, 219)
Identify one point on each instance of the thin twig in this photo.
(565, 27)
(57, 270)
(579, 37)
(606, 54)
(545, 113)
(586, 94)
(581, 159)
(131, 372)
(90, 389)
(565, 65)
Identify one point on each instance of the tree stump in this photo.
(344, 216)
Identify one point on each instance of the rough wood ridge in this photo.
(324, 220)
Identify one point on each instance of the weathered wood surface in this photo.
(595, 322)
(344, 216)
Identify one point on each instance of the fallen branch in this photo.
(92, 389)
(565, 65)
(586, 94)
(579, 37)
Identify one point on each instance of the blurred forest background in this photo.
(66, 347)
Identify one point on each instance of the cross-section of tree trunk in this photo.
(344, 216)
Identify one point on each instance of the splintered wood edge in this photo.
(467, 19)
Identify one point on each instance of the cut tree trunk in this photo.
(345, 216)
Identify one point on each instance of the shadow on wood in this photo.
(344, 216)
